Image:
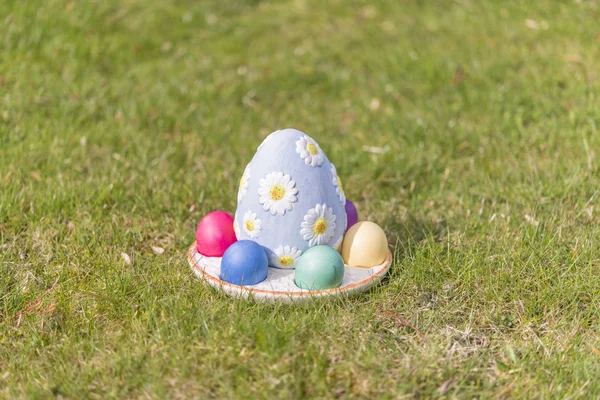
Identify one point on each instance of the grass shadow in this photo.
(404, 235)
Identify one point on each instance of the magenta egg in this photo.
(215, 234)
(351, 213)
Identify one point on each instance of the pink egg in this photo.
(215, 234)
(351, 213)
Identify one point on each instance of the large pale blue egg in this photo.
(290, 198)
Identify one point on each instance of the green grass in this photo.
(123, 122)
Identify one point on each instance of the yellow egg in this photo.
(365, 245)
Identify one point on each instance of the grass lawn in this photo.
(469, 130)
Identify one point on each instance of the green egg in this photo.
(319, 268)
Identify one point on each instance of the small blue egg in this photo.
(245, 262)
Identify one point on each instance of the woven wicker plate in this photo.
(279, 285)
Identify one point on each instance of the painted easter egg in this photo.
(215, 234)
(244, 263)
(365, 245)
(351, 213)
(290, 198)
(319, 268)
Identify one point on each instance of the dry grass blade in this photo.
(34, 306)
(126, 258)
(400, 321)
(157, 250)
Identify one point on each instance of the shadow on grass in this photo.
(404, 235)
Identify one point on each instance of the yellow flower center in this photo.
(277, 192)
(250, 225)
(286, 261)
(312, 149)
(340, 183)
(320, 226)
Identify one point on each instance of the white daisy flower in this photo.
(236, 228)
(337, 182)
(285, 257)
(252, 224)
(266, 140)
(318, 225)
(244, 183)
(338, 245)
(309, 151)
(277, 193)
